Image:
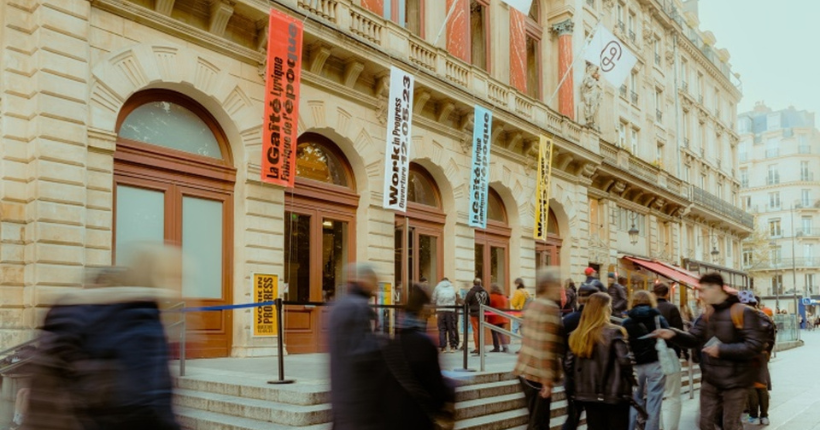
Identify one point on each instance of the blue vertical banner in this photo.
(480, 176)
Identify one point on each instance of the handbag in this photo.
(670, 363)
(393, 354)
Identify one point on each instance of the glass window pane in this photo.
(314, 161)
(421, 190)
(334, 257)
(397, 262)
(495, 207)
(479, 261)
(428, 258)
(297, 257)
(172, 126)
(202, 246)
(498, 269)
(140, 218)
(411, 261)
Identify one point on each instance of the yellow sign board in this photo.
(265, 289)
(542, 191)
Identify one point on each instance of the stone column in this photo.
(458, 29)
(518, 50)
(566, 97)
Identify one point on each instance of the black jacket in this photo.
(595, 282)
(570, 323)
(606, 376)
(357, 369)
(572, 298)
(403, 411)
(475, 297)
(102, 365)
(619, 301)
(733, 368)
(641, 321)
(672, 315)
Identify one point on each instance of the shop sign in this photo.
(280, 123)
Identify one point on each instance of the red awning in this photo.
(663, 270)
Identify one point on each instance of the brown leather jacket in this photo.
(606, 377)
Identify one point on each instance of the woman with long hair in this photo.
(599, 372)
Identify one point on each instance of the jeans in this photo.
(671, 403)
(601, 416)
(758, 402)
(447, 327)
(516, 326)
(538, 406)
(712, 400)
(651, 379)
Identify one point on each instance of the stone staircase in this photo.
(489, 401)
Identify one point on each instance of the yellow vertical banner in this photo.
(265, 289)
(542, 189)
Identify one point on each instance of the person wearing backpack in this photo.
(731, 338)
(592, 280)
(475, 298)
(446, 298)
(759, 392)
(519, 300)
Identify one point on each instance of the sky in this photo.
(773, 45)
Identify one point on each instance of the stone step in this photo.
(495, 421)
(195, 419)
(501, 388)
(258, 389)
(260, 410)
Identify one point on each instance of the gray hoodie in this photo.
(444, 295)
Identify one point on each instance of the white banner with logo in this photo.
(614, 60)
(397, 152)
(480, 176)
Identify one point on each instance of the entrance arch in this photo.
(320, 233)
(492, 245)
(173, 183)
(548, 252)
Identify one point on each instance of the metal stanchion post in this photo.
(182, 344)
(280, 321)
(691, 377)
(480, 346)
(466, 311)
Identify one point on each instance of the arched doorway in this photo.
(419, 235)
(548, 253)
(320, 215)
(492, 245)
(173, 183)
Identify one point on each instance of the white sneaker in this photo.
(764, 421)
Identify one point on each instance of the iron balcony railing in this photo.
(721, 207)
(807, 204)
(808, 232)
(786, 263)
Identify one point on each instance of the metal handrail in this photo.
(8, 368)
(16, 347)
(482, 324)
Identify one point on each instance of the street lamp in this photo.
(773, 247)
(633, 234)
(715, 254)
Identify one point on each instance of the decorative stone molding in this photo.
(514, 139)
(619, 187)
(353, 69)
(445, 108)
(588, 170)
(420, 100)
(164, 7)
(564, 27)
(221, 12)
(319, 54)
(609, 4)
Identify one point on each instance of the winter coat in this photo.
(734, 367)
(519, 298)
(595, 282)
(640, 322)
(673, 318)
(572, 298)
(444, 295)
(619, 302)
(356, 366)
(102, 364)
(570, 323)
(400, 409)
(498, 301)
(475, 297)
(606, 377)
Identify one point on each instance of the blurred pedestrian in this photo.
(640, 323)
(618, 294)
(445, 298)
(416, 396)
(571, 322)
(758, 399)
(601, 378)
(592, 279)
(103, 357)
(520, 298)
(729, 335)
(356, 364)
(475, 298)
(671, 394)
(572, 297)
(498, 300)
(538, 362)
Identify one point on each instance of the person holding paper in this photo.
(731, 336)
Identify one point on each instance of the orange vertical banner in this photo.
(284, 73)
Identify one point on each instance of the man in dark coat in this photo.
(476, 297)
(727, 366)
(593, 280)
(618, 294)
(356, 365)
(672, 402)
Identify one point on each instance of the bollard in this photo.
(182, 345)
(280, 341)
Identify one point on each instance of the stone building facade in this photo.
(135, 120)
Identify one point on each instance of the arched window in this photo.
(534, 34)
(492, 245)
(173, 183)
(548, 253)
(320, 222)
(419, 233)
